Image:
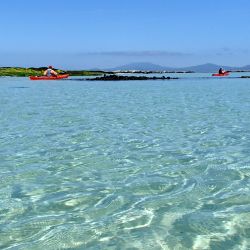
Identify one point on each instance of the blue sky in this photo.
(81, 34)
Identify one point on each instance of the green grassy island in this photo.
(25, 72)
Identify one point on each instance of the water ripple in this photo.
(140, 165)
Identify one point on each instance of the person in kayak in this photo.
(222, 71)
(50, 72)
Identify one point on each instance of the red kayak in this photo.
(223, 74)
(49, 77)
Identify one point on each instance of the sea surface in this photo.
(125, 165)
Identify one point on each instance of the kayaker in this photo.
(222, 71)
(50, 72)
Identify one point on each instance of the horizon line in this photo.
(128, 64)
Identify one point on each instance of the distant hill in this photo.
(203, 68)
(141, 66)
(209, 67)
(247, 67)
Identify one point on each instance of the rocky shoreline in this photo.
(129, 78)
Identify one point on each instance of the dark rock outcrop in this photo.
(128, 78)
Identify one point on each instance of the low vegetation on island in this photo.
(25, 72)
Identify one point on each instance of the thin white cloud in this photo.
(146, 53)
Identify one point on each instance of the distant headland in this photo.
(25, 72)
(202, 68)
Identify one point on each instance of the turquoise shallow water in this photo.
(125, 165)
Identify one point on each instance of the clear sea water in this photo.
(125, 165)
